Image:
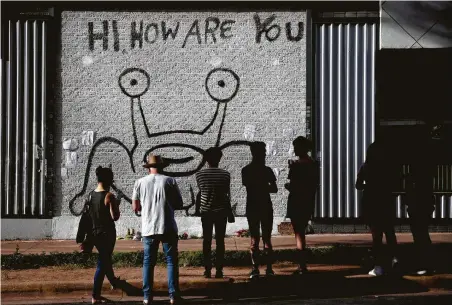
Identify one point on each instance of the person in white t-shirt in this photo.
(157, 197)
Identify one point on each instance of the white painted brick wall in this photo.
(270, 98)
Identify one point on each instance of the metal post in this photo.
(9, 128)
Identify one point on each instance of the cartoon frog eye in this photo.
(134, 82)
(222, 84)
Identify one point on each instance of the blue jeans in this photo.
(105, 243)
(151, 245)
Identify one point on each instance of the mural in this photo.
(175, 84)
(221, 84)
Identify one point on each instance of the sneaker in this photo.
(377, 271)
(254, 274)
(146, 302)
(269, 272)
(207, 274)
(394, 263)
(424, 272)
(219, 274)
(176, 300)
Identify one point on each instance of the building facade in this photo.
(89, 85)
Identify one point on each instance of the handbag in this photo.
(84, 232)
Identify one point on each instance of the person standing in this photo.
(103, 209)
(376, 178)
(303, 176)
(157, 197)
(421, 202)
(215, 208)
(259, 181)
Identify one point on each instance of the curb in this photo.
(313, 285)
(133, 287)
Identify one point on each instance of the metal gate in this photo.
(23, 118)
(345, 111)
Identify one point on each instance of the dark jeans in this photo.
(218, 220)
(377, 242)
(151, 246)
(105, 243)
(419, 228)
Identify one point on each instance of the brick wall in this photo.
(248, 66)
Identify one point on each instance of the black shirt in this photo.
(100, 213)
(257, 179)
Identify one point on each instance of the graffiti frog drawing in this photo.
(221, 84)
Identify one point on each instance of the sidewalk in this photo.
(324, 281)
(232, 243)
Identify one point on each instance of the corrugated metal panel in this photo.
(23, 77)
(345, 101)
(442, 188)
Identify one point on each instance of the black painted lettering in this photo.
(194, 30)
(156, 32)
(166, 33)
(289, 32)
(210, 30)
(115, 36)
(98, 36)
(264, 27)
(225, 27)
(134, 35)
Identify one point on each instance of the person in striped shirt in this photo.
(215, 208)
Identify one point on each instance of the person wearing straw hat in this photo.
(157, 197)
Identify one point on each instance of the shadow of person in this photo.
(129, 289)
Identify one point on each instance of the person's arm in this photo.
(359, 185)
(110, 201)
(272, 188)
(136, 204)
(245, 181)
(228, 193)
(287, 185)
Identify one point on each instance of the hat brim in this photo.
(155, 165)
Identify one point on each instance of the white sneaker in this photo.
(394, 262)
(422, 272)
(377, 271)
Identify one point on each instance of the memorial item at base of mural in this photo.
(221, 84)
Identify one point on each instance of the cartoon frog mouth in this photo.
(187, 165)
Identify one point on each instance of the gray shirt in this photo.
(159, 196)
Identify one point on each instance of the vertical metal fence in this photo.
(23, 118)
(345, 121)
(345, 107)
